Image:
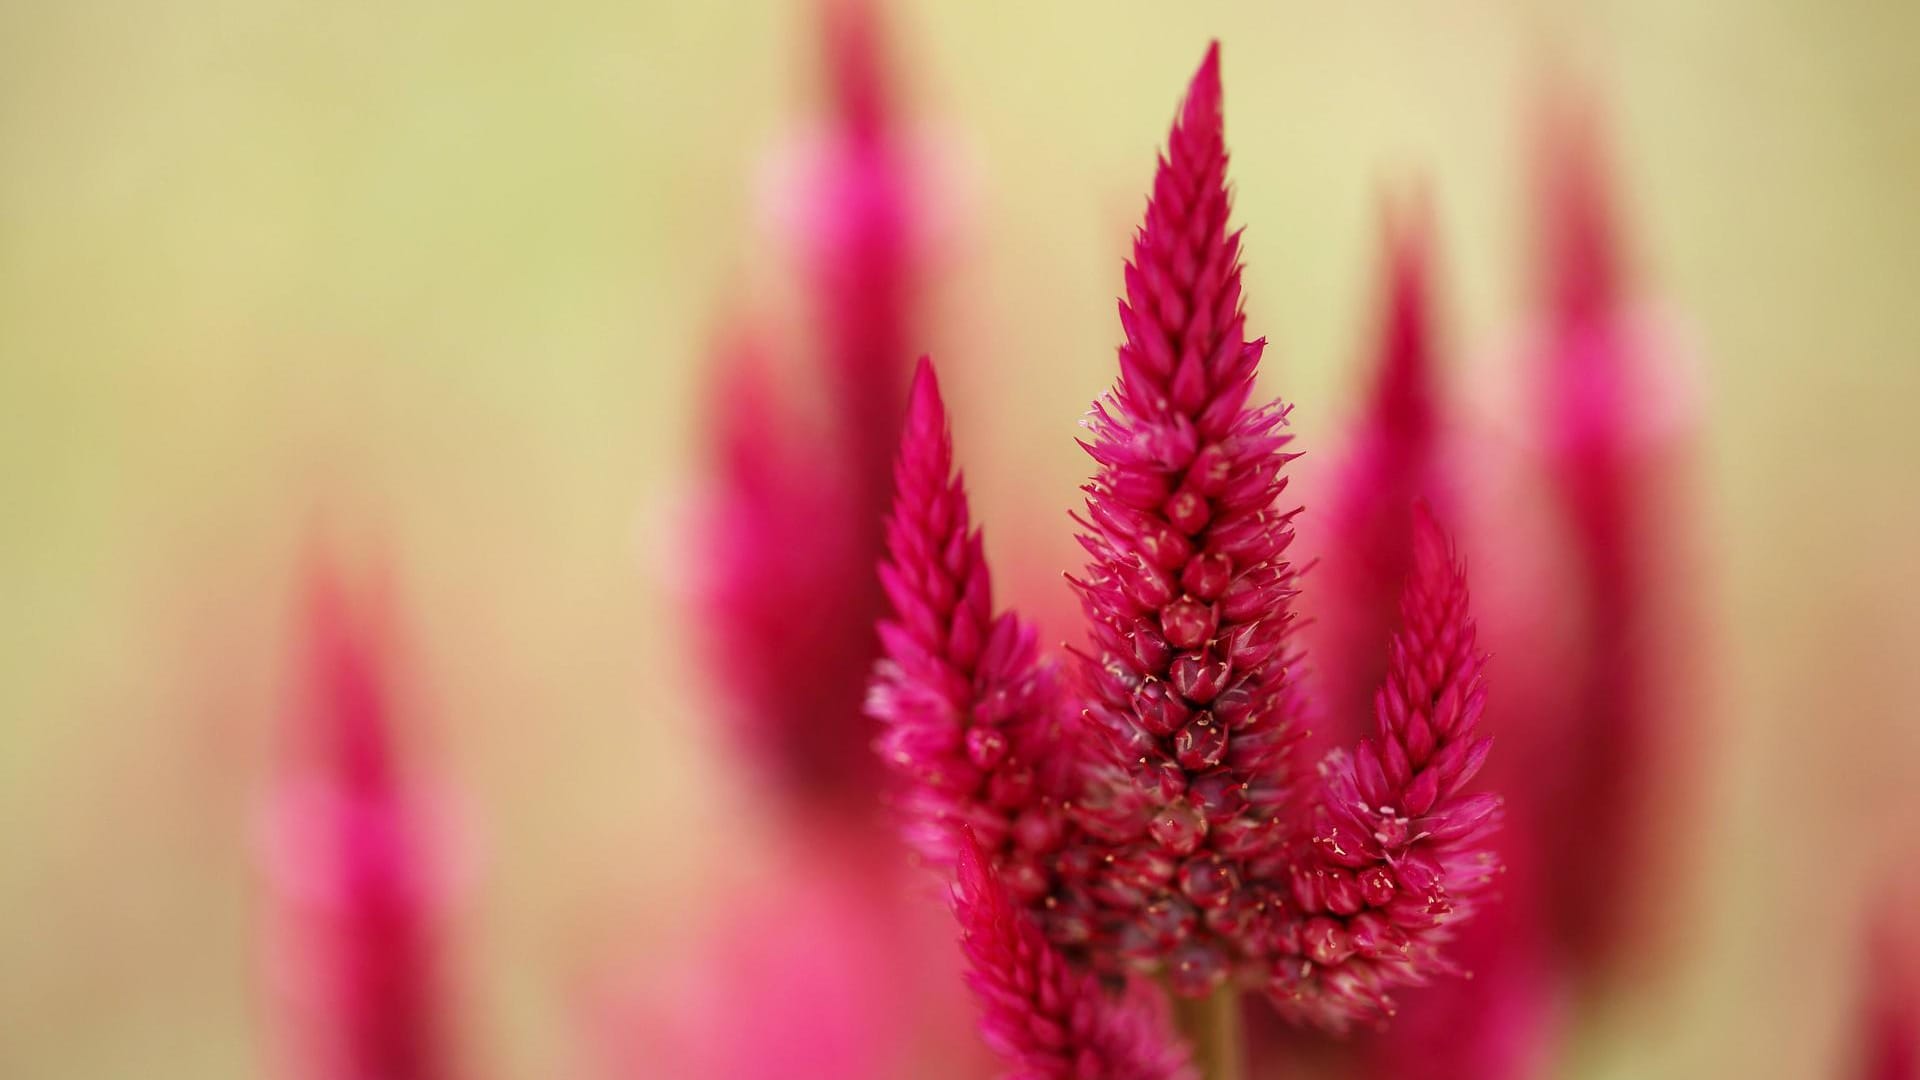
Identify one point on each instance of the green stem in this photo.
(1212, 1027)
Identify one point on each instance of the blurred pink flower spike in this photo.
(1618, 412)
(1394, 456)
(793, 517)
(359, 863)
(1048, 1021)
(1398, 852)
(787, 571)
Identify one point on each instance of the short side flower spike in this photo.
(1188, 592)
(968, 709)
(1047, 1020)
(1397, 852)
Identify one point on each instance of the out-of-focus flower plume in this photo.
(1608, 760)
(800, 482)
(359, 862)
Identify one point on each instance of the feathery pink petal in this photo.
(1046, 1020)
(969, 711)
(1398, 852)
(358, 885)
(1188, 591)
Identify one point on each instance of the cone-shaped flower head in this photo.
(1392, 459)
(969, 712)
(1047, 1020)
(1398, 850)
(1187, 593)
(359, 891)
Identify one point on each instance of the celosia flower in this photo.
(1397, 851)
(1047, 1020)
(794, 515)
(1363, 539)
(1615, 418)
(1187, 594)
(1184, 849)
(359, 883)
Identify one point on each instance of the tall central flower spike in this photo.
(1396, 853)
(1188, 591)
(1049, 1021)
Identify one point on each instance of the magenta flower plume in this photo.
(1393, 459)
(788, 590)
(1397, 853)
(1614, 419)
(793, 520)
(1187, 594)
(968, 709)
(1048, 1021)
(359, 886)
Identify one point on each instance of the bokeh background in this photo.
(439, 281)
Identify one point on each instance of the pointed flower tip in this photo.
(926, 409)
(1204, 93)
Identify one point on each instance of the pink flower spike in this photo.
(787, 590)
(1188, 593)
(1048, 1021)
(1616, 414)
(1364, 537)
(354, 863)
(799, 492)
(968, 709)
(1398, 852)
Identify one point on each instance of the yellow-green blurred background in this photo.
(437, 278)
